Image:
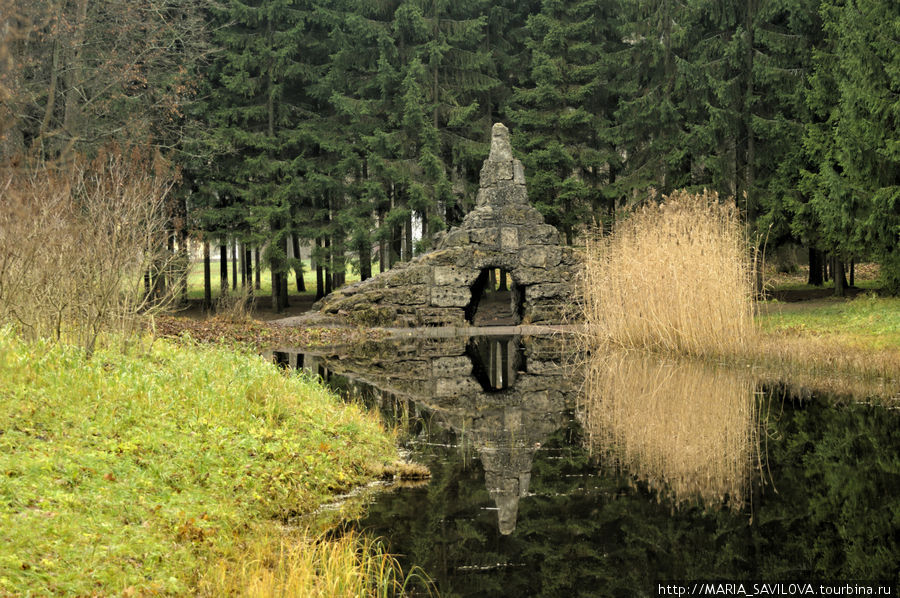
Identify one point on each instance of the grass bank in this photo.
(153, 472)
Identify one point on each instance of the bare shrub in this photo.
(235, 306)
(676, 276)
(75, 245)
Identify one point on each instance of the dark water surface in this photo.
(612, 477)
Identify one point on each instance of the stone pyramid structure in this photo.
(444, 287)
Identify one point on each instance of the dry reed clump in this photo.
(76, 243)
(313, 567)
(676, 277)
(687, 429)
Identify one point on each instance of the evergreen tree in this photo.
(855, 182)
(563, 118)
(257, 103)
(651, 120)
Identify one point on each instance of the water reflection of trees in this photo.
(687, 429)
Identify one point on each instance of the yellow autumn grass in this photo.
(673, 277)
(301, 564)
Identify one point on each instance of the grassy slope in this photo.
(133, 473)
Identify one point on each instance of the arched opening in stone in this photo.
(497, 300)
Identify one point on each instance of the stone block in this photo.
(450, 296)
(451, 275)
(529, 276)
(540, 256)
(441, 257)
(480, 217)
(518, 172)
(448, 367)
(484, 236)
(509, 238)
(457, 237)
(440, 316)
(407, 295)
(378, 315)
(542, 234)
(558, 291)
(520, 214)
(453, 387)
(411, 273)
(493, 172)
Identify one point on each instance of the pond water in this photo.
(609, 477)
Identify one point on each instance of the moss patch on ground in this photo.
(127, 474)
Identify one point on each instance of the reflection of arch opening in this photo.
(496, 361)
(497, 299)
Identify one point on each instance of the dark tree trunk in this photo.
(223, 268)
(503, 286)
(277, 305)
(852, 273)
(207, 278)
(408, 238)
(815, 267)
(365, 261)
(248, 260)
(329, 283)
(840, 279)
(320, 274)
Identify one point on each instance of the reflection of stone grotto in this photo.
(505, 396)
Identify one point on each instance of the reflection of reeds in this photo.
(685, 428)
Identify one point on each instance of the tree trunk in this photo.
(503, 286)
(207, 278)
(329, 283)
(815, 268)
(408, 238)
(276, 286)
(365, 261)
(320, 275)
(852, 273)
(248, 259)
(223, 269)
(840, 279)
(298, 269)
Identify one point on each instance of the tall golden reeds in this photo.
(674, 277)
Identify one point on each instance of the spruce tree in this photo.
(562, 119)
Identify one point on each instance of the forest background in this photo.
(358, 127)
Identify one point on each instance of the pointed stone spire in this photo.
(502, 171)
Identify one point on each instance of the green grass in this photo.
(132, 473)
(195, 279)
(866, 320)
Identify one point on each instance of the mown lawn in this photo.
(130, 474)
